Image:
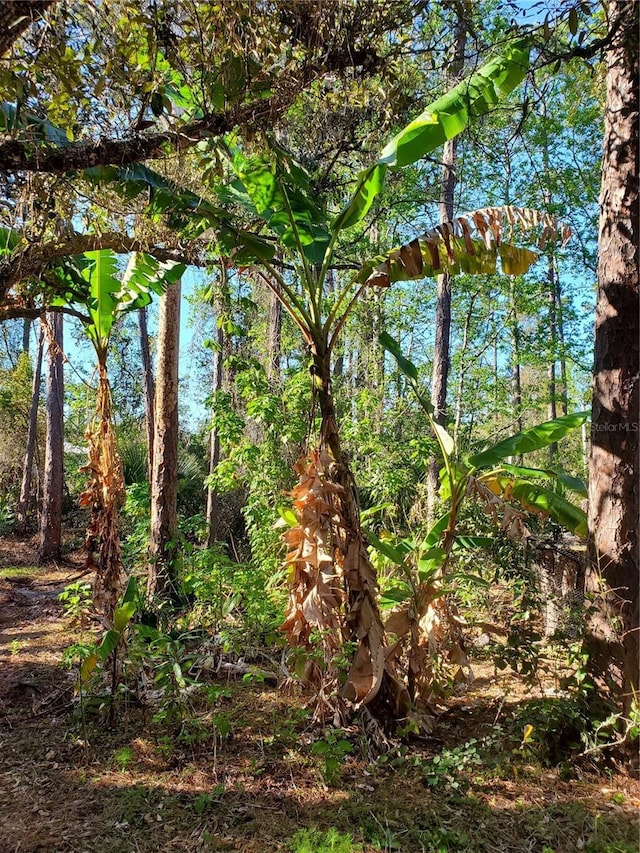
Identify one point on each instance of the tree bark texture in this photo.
(164, 479)
(22, 509)
(613, 576)
(51, 515)
(148, 385)
(16, 16)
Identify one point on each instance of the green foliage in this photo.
(333, 747)
(317, 841)
(449, 767)
(560, 730)
(443, 119)
(456, 474)
(76, 599)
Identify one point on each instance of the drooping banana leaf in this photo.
(185, 210)
(445, 118)
(527, 441)
(572, 484)
(12, 118)
(143, 276)
(392, 346)
(469, 244)
(535, 498)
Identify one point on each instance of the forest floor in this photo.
(244, 771)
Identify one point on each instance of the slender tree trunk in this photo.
(441, 357)
(22, 508)
(613, 574)
(51, 516)
(148, 384)
(552, 409)
(222, 346)
(516, 380)
(26, 334)
(462, 371)
(274, 339)
(564, 384)
(161, 579)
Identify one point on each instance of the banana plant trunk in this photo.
(105, 495)
(371, 678)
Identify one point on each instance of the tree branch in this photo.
(30, 156)
(30, 262)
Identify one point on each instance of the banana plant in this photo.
(334, 594)
(333, 583)
(103, 295)
(423, 620)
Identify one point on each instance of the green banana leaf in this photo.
(100, 274)
(108, 295)
(11, 118)
(443, 119)
(395, 554)
(279, 191)
(535, 498)
(437, 529)
(186, 210)
(534, 438)
(407, 367)
(572, 484)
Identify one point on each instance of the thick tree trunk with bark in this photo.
(22, 509)
(613, 576)
(51, 515)
(164, 479)
(148, 385)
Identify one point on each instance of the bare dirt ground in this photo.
(256, 783)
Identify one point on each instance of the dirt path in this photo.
(241, 773)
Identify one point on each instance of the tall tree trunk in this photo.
(222, 350)
(564, 384)
(51, 515)
(552, 385)
(148, 383)
(161, 580)
(613, 574)
(22, 508)
(441, 358)
(552, 408)
(516, 379)
(462, 370)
